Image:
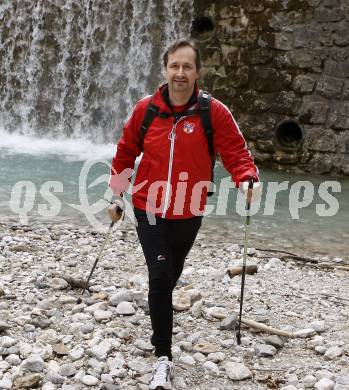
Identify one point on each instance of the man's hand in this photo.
(115, 210)
(256, 190)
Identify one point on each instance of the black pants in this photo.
(165, 246)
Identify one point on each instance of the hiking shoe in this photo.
(162, 374)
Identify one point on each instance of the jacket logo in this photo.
(188, 127)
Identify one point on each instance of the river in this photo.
(65, 182)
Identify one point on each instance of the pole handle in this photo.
(249, 194)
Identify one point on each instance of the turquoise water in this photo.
(63, 163)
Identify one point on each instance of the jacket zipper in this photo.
(171, 137)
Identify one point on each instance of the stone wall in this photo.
(282, 67)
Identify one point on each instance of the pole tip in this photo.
(238, 338)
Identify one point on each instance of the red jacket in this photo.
(173, 175)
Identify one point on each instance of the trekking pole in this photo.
(247, 225)
(79, 300)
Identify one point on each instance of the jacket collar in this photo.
(161, 98)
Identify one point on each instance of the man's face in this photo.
(181, 72)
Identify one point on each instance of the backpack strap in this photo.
(205, 115)
(151, 112)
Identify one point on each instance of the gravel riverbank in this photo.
(48, 341)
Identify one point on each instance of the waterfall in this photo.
(73, 69)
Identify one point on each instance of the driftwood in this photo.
(73, 282)
(332, 266)
(327, 266)
(266, 328)
(250, 270)
(335, 297)
(310, 261)
(289, 255)
(277, 251)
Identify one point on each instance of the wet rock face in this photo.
(285, 60)
(77, 68)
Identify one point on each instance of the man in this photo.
(172, 183)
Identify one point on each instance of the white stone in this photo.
(58, 284)
(211, 368)
(318, 326)
(215, 274)
(333, 353)
(341, 387)
(3, 366)
(196, 309)
(89, 380)
(195, 295)
(186, 345)
(199, 357)
(265, 350)
(325, 374)
(116, 362)
(67, 369)
(44, 350)
(125, 308)
(187, 360)
(53, 376)
(48, 386)
(96, 366)
(292, 380)
(25, 350)
(102, 315)
(120, 296)
(30, 298)
(67, 299)
(79, 375)
(49, 336)
(143, 345)
(237, 371)
(76, 353)
(101, 351)
(216, 357)
(181, 300)
(304, 333)
(343, 380)
(107, 378)
(80, 317)
(309, 381)
(324, 384)
(97, 306)
(274, 264)
(205, 347)
(6, 383)
(234, 248)
(34, 363)
(321, 349)
(176, 351)
(137, 281)
(13, 359)
(120, 373)
(315, 341)
(7, 342)
(139, 366)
